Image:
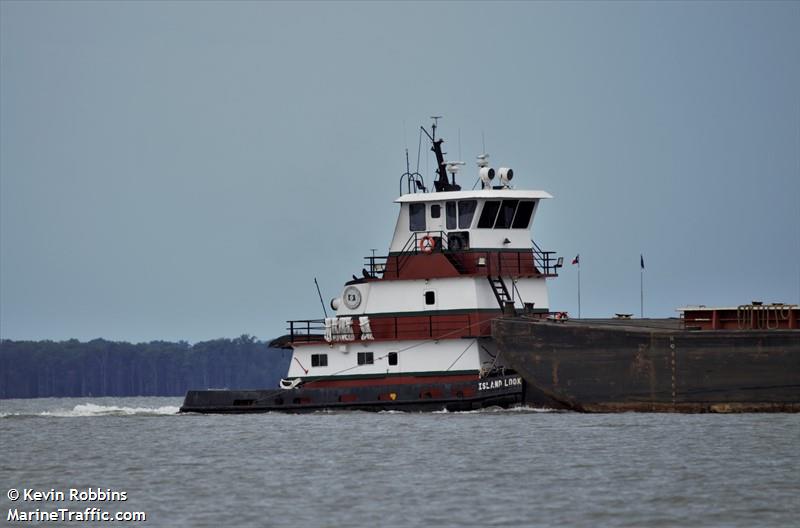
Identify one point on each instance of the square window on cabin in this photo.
(466, 210)
(506, 214)
(416, 217)
(430, 297)
(365, 358)
(392, 358)
(319, 360)
(489, 213)
(450, 211)
(523, 217)
(436, 211)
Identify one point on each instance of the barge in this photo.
(736, 359)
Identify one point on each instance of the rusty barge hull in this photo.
(651, 366)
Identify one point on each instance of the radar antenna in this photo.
(454, 166)
(434, 125)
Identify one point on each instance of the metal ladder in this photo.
(499, 289)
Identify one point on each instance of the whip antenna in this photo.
(320, 298)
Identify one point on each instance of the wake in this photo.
(91, 409)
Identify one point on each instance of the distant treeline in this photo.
(37, 369)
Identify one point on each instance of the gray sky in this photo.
(184, 170)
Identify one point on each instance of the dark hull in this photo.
(380, 394)
(652, 365)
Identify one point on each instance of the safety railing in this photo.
(377, 266)
(306, 330)
(546, 261)
(467, 262)
(422, 326)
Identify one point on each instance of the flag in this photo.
(641, 260)
(577, 259)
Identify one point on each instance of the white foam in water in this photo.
(91, 409)
(489, 410)
(525, 409)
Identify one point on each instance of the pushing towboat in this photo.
(413, 331)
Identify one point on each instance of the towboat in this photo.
(412, 331)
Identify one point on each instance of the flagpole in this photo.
(641, 286)
(577, 261)
(579, 289)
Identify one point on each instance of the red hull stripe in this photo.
(391, 380)
(416, 326)
(437, 265)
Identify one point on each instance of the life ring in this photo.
(427, 244)
(561, 316)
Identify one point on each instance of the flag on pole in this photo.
(577, 259)
(641, 261)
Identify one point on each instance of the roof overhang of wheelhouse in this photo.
(483, 219)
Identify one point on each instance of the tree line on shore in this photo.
(38, 369)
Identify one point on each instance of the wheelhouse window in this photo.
(319, 360)
(436, 211)
(416, 217)
(524, 212)
(489, 213)
(450, 211)
(392, 356)
(365, 358)
(466, 210)
(506, 215)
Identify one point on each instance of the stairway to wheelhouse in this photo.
(499, 289)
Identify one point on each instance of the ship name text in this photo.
(499, 383)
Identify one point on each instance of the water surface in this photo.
(521, 467)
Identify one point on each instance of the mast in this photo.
(441, 183)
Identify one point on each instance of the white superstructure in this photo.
(456, 260)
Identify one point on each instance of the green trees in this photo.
(31, 369)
